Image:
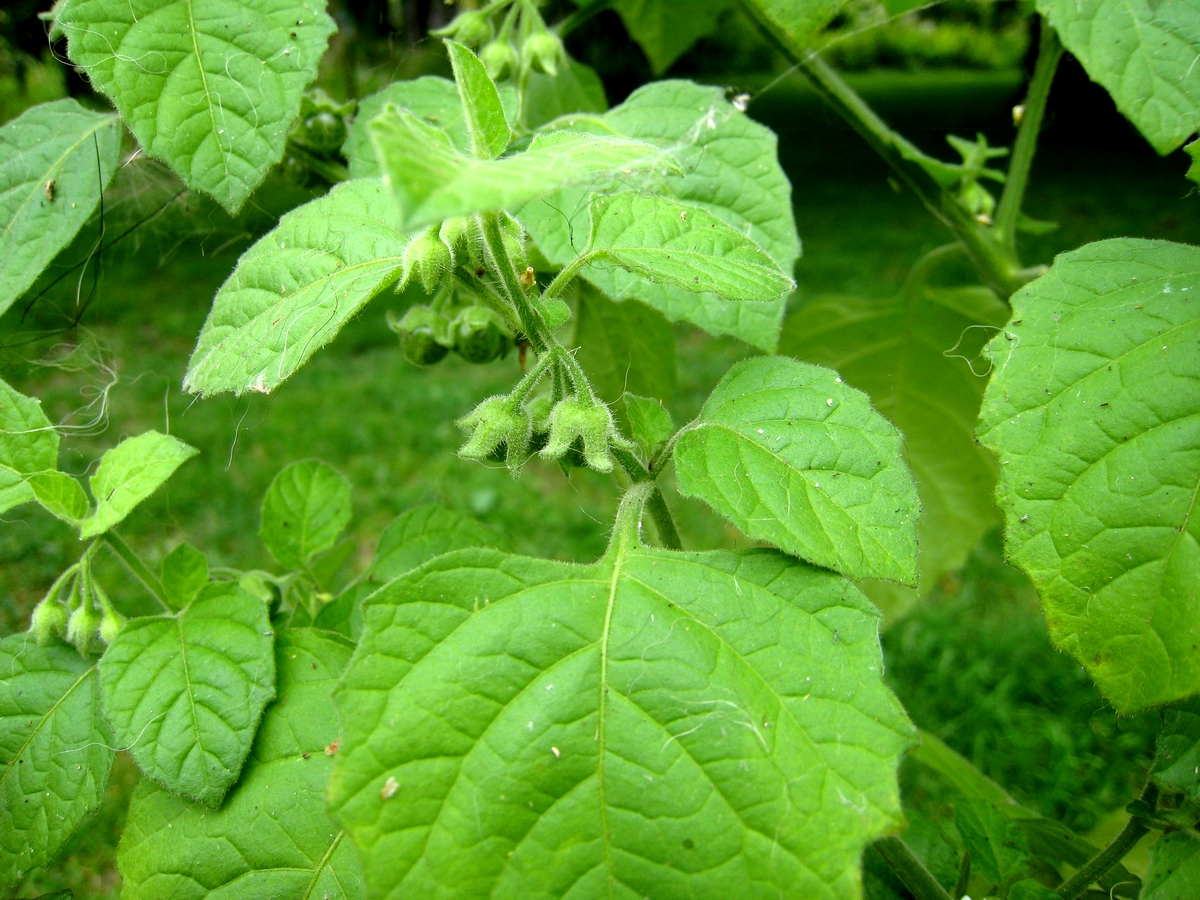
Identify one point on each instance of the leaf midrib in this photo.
(32, 734)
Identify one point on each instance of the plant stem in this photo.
(1104, 861)
(664, 523)
(531, 322)
(1050, 51)
(910, 870)
(139, 569)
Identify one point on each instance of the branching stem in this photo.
(1108, 858)
(139, 569)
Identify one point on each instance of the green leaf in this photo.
(14, 489)
(709, 725)
(56, 159)
(624, 346)
(61, 495)
(28, 444)
(1144, 54)
(792, 455)
(1029, 889)
(795, 22)
(184, 693)
(128, 474)
(430, 98)
(1094, 412)
(306, 507)
(271, 837)
(1174, 868)
(344, 614)
(432, 181)
(484, 113)
(684, 246)
(996, 843)
(184, 573)
(210, 86)
(419, 534)
(650, 423)
(1193, 150)
(295, 289)
(918, 358)
(666, 29)
(1177, 758)
(575, 88)
(55, 751)
(731, 170)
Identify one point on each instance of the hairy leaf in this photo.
(1177, 760)
(666, 29)
(55, 751)
(1094, 413)
(792, 455)
(28, 444)
(1144, 53)
(730, 169)
(575, 88)
(56, 159)
(917, 357)
(432, 181)
(650, 423)
(128, 474)
(624, 346)
(184, 573)
(210, 86)
(184, 693)
(995, 842)
(430, 98)
(658, 724)
(295, 289)
(306, 507)
(674, 243)
(271, 838)
(1174, 867)
(61, 495)
(486, 123)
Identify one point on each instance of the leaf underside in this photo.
(1094, 413)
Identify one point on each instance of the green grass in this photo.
(389, 428)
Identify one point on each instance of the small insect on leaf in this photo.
(50, 190)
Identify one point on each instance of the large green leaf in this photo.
(666, 29)
(486, 122)
(55, 751)
(432, 99)
(1174, 868)
(271, 838)
(574, 88)
(184, 693)
(128, 474)
(791, 454)
(1177, 757)
(916, 356)
(210, 86)
(795, 22)
(56, 159)
(28, 444)
(702, 725)
(431, 180)
(730, 169)
(295, 289)
(1144, 53)
(624, 346)
(1094, 413)
(306, 507)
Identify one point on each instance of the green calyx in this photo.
(495, 422)
(542, 52)
(479, 335)
(429, 258)
(49, 620)
(82, 626)
(589, 421)
(321, 125)
(472, 28)
(499, 58)
(424, 335)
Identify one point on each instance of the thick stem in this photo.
(1050, 51)
(664, 523)
(531, 322)
(139, 569)
(910, 870)
(1108, 858)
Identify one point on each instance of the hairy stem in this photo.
(664, 522)
(139, 569)
(1050, 51)
(531, 322)
(910, 870)
(1108, 858)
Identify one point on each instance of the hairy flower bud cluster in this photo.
(428, 258)
(542, 52)
(589, 422)
(497, 422)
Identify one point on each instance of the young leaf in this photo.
(184, 693)
(128, 474)
(432, 181)
(708, 725)
(55, 751)
(995, 842)
(294, 290)
(28, 444)
(271, 837)
(56, 159)
(650, 424)
(1144, 55)
(917, 357)
(1177, 759)
(184, 573)
(14, 489)
(430, 98)
(61, 496)
(1174, 867)
(666, 241)
(306, 507)
(210, 86)
(732, 171)
(624, 346)
(666, 29)
(484, 113)
(792, 455)
(1093, 412)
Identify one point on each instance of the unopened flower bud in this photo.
(424, 335)
(49, 620)
(471, 28)
(496, 421)
(81, 626)
(479, 335)
(542, 52)
(499, 58)
(589, 421)
(111, 624)
(428, 258)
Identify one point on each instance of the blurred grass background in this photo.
(972, 664)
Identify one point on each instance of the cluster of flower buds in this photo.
(475, 333)
(68, 611)
(513, 50)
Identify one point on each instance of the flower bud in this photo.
(479, 335)
(429, 258)
(471, 28)
(542, 52)
(539, 409)
(495, 421)
(424, 335)
(81, 626)
(587, 420)
(499, 58)
(49, 620)
(111, 624)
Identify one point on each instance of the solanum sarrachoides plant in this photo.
(660, 723)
